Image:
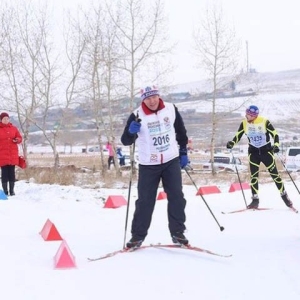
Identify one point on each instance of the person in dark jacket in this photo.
(159, 132)
(10, 137)
(121, 157)
(258, 130)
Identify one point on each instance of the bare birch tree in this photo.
(26, 50)
(217, 48)
(38, 75)
(101, 77)
(142, 35)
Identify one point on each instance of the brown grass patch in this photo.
(87, 170)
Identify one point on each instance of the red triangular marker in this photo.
(114, 201)
(64, 259)
(162, 196)
(237, 187)
(212, 189)
(50, 232)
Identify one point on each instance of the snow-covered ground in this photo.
(264, 246)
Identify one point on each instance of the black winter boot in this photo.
(179, 238)
(255, 202)
(11, 188)
(134, 242)
(286, 199)
(4, 186)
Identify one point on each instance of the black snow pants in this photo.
(268, 159)
(149, 177)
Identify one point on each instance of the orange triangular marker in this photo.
(238, 186)
(212, 189)
(49, 232)
(162, 196)
(64, 259)
(114, 201)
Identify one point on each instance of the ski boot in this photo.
(255, 202)
(286, 199)
(178, 238)
(134, 243)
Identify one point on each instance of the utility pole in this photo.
(247, 57)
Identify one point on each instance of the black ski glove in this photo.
(275, 149)
(230, 145)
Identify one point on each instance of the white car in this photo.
(292, 159)
(97, 149)
(225, 162)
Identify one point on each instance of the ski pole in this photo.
(238, 175)
(129, 192)
(221, 227)
(288, 173)
(130, 183)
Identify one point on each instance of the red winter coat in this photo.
(9, 152)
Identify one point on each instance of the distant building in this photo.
(179, 96)
(252, 70)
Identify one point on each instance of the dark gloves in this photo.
(134, 127)
(183, 157)
(230, 145)
(275, 149)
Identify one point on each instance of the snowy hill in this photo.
(272, 81)
(264, 246)
(278, 98)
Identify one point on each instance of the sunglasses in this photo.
(252, 111)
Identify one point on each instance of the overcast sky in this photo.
(270, 27)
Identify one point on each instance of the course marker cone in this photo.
(115, 201)
(212, 189)
(64, 259)
(237, 186)
(2, 195)
(162, 196)
(50, 232)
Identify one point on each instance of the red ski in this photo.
(245, 209)
(253, 209)
(294, 209)
(187, 247)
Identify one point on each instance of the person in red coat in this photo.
(10, 137)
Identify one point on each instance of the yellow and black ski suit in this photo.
(260, 149)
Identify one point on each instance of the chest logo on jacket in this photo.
(167, 123)
(153, 127)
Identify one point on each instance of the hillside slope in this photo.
(278, 98)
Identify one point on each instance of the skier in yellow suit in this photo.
(258, 130)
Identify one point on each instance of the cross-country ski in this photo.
(245, 210)
(172, 246)
(292, 209)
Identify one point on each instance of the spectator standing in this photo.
(120, 156)
(10, 137)
(111, 158)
